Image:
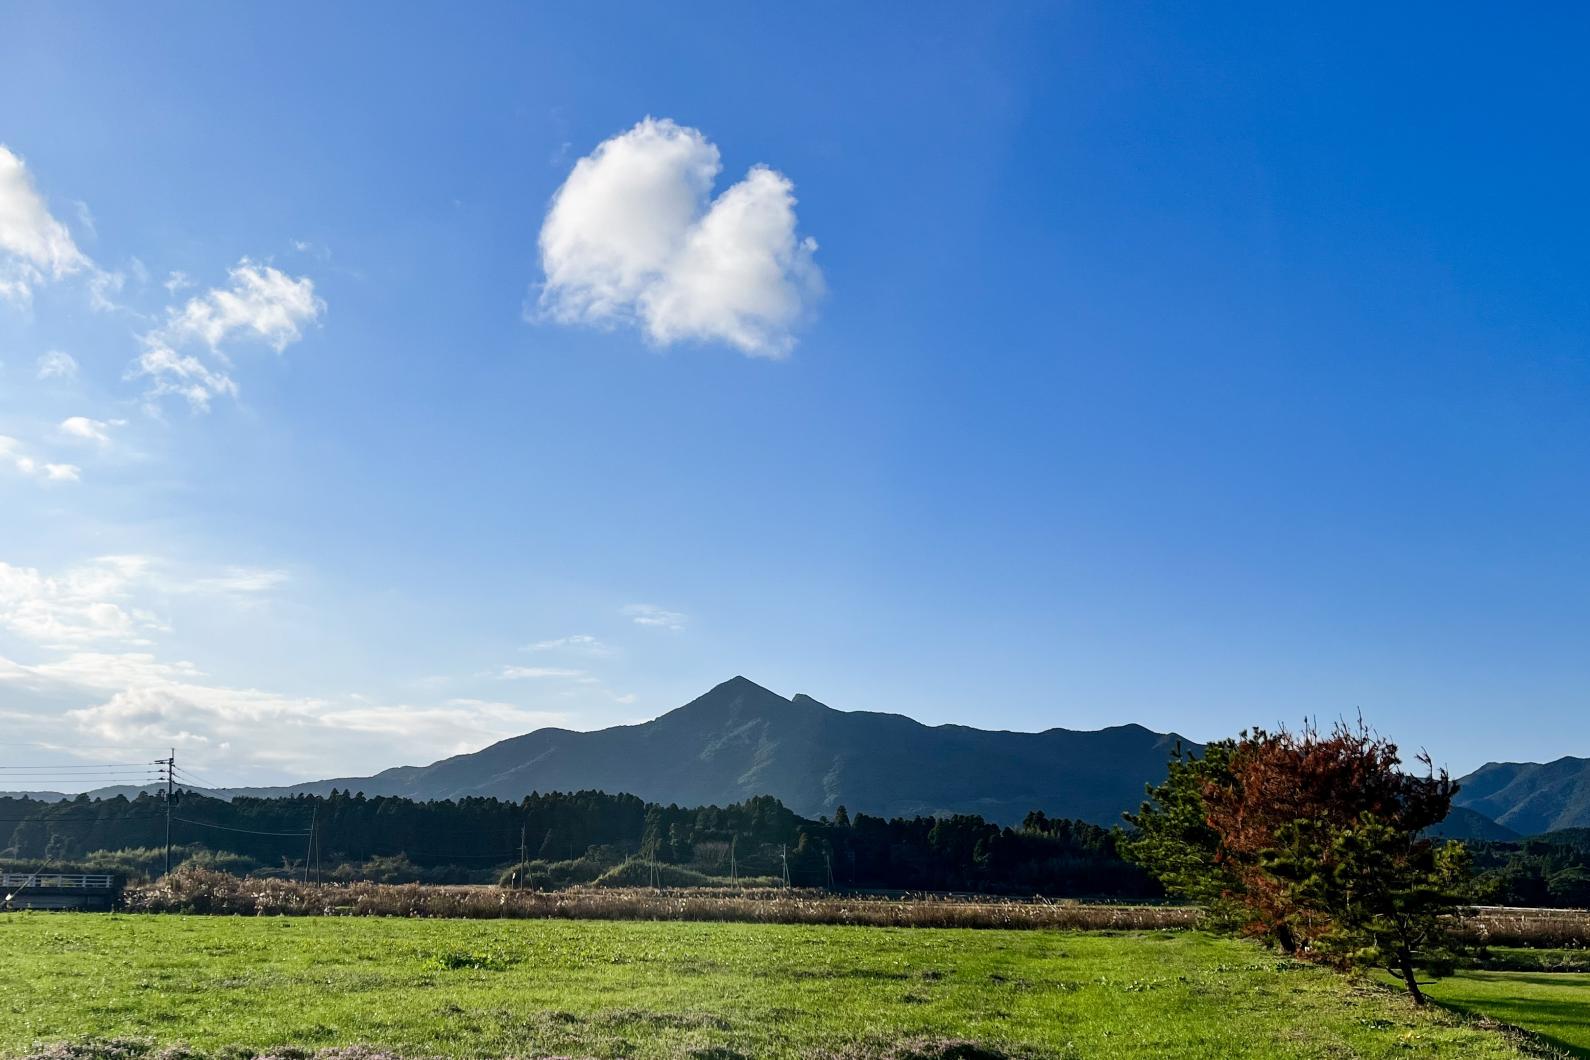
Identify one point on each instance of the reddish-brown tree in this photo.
(1276, 779)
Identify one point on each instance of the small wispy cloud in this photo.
(574, 644)
(262, 304)
(237, 581)
(14, 454)
(656, 617)
(56, 365)
(82, 428)
(541, 673)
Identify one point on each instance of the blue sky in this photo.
(1193, 368)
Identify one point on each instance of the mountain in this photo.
(740, 740)
(1464, 823)
(1530, 797)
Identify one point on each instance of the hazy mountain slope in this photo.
(741, 739)
(1529, 797)
(1464, 823)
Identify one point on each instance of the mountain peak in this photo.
(735, 694)
(738, 685)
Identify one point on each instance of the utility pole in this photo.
(308, 850)
(523, 851)
(170, 766)
(783, 853)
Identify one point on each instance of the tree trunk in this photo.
(1405, 966)
(1285, 939)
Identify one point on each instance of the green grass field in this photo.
(667, 989)
(1554, 1005)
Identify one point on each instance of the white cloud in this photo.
(57, 365)
(649, 615)
(86, 603)
(542, 673)
(112, 598)
(12, 452)
(178, 281)
(237, 735)
(633, 236)
(60, 472)
(456, 727)
(34, 246)
(238, 580)
(88, 430)
(262, 304)
(103, 284)
(574, 644)
(186, 376)
(103, 682)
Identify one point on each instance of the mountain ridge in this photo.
(1530, 797)
(739, 740)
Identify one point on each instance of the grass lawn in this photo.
(1554, 1005)
(667, 989)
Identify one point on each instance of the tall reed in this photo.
(203, 891)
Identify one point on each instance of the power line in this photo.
(61, 820)
(81, 774)
(229, 828)
(53, 785)
(102, 782)
(67, 769)
(191, 775)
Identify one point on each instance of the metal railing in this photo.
(72, 880)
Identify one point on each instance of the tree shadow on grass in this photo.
(1560, 1023)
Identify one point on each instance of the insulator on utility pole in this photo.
(170, 767)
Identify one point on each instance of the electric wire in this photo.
(184, 771)
(75, 766)
(228, 828)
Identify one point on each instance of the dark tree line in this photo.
(557, 838)
(967, 853)
(1550, 870)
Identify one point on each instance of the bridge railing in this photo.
(88, 881)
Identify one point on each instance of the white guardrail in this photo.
(72, 880)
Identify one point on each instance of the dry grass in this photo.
(1535, 928)
(202, 891)
(192, 890)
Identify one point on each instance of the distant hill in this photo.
(1530, 797)
(740, 740)
(1464, 823)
